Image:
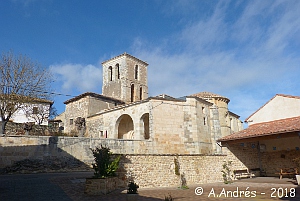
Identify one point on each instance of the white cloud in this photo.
(246, 50)
(254, 52)
(207, 32)
(82, 78)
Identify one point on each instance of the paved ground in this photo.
(70, 186)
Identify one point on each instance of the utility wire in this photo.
(45, 92)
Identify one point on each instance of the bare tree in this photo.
(22, 81)
(38, 111)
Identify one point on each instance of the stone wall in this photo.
(243, 155)
(108, 122)
(18, 129)
(278, 153)
(159, 170)
(73, 110)
(174, 127)
(86, 105)
(148, 170)
(179, 126)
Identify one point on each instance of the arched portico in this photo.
(125, 127)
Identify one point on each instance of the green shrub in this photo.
(226, 172)
(104, 166)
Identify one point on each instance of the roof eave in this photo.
(257, 136)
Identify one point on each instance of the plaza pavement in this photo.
(70, 186)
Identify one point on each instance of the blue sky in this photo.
(247, 51)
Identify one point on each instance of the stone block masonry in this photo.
(100, 186)
(159, 170)
(148, 170)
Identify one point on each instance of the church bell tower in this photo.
(125, 78)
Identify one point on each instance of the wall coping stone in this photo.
(171, 154)
(69, 137)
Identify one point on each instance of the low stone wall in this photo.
(159, 170)
(47, 130)
(148, 170)
(100, 186)
(18, 148)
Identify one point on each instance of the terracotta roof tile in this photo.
(266, 128)
(95, 95)
(165, 96)
(206, 94)
(126, 54)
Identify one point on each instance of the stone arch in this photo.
(125, 127)
(141, 93)
(145, 126)
(132, 93)
(110, 73)
(136, 72)
(117, 71)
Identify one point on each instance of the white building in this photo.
(36, 112)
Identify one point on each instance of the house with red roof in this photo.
(272, 140)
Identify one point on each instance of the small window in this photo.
(136, 72)
(71, 121)
(203, 110)
(204, 120)
(132, 92)
(101, 134)
(110, 73)
(141, 93)
(118, 71)
(35, 110)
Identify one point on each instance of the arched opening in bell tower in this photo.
(132, 92)
(110, 73)
(141, 93)
(118, 71)
(136, 72)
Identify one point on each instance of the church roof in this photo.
(165, 96)
(207, 95)
(95, 95)
(281, 126)
(128, 55)
(233, 114)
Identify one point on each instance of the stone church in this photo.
(150, 125)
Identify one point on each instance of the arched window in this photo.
(145, 126)
(141, 93)
(118, 71)
(110, 73)
(136, 72)
(132, 92)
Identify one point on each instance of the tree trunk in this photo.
(2, 127)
